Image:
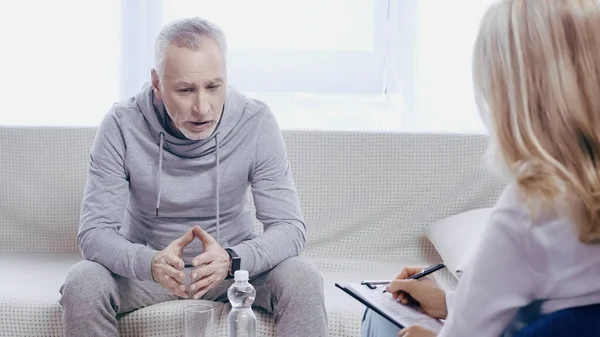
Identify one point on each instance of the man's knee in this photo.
(86, 282)
(298, 274)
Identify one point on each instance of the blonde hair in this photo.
(536, 71)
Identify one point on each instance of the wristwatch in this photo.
(235, 261)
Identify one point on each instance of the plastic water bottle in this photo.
(241, 321)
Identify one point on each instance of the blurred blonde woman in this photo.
(537, 79)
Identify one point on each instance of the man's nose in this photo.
(201, 103)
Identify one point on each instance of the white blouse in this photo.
(519, 261)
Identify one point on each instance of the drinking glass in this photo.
(198, 320)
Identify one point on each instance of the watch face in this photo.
(235, 264)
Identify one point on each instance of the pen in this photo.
(427, 271)
(372, 284)
(424, 272)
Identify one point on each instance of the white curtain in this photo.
(377, 65)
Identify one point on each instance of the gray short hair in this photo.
(187, 33)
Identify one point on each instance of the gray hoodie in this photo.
(146, 187)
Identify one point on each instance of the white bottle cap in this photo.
(241, 275)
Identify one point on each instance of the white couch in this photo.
(366, 197)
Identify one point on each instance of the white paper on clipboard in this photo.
(388, 307)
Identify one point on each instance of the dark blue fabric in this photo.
(573, 322)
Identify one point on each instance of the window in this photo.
(60, 61)
(356, 65)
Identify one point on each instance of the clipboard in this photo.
(400, 315)
(370, 306)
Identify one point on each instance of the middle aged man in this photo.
(173, 164)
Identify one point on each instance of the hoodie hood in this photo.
(156, 118)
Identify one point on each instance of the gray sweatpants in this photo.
(92, 297)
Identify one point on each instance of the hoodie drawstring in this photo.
(158, 174)
(217, 187)
(217, 190)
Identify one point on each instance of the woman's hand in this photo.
(416, 331)
(425, 291)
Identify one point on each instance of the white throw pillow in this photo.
(456, 237)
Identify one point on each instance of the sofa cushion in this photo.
(363, 195)
(456, 237)
(30, 282)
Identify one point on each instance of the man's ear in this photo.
(156, 84)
